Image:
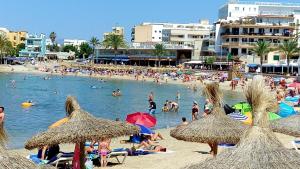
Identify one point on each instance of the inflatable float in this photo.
(27, 104)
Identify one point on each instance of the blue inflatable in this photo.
(285, 110)
(292, 99)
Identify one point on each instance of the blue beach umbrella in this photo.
(145, 130)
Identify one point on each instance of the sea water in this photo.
(93, 95)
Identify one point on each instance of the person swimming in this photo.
(165, 108)
(118, 92)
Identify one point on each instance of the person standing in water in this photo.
(195, 111)
(152, 107)
(2, 114)
(177, 95)
(151, 96)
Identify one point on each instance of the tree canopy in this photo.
(85, 50)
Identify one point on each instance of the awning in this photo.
(253, 65)
(194, 62)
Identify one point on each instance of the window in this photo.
(276, 57)
(159, 31)
(159, 38)
(243, 9)
(254, 9)
(152, 37)
(155, 31)
(244, 50)
(229, 14)
(237, 8)
(249, 9)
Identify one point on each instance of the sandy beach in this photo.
(180, 153)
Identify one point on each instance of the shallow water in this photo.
(23, 123)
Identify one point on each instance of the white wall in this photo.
(235, 11)
(157, 33)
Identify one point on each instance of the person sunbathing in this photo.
(149, 146)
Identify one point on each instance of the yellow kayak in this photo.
(26, 104)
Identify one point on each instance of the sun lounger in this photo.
(116, 155)
(295, 144)
(61, 159)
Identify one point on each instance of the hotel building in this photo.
(35, 46)
(15, 37)
(116, 31)
(74, 42)
(241, 24)
(194, 35)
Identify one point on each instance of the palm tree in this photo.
(289, 48)
(261, 49)
(52, 36)
(160, 50)
(114, 42)
(94, 42)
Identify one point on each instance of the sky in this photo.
(82, 19)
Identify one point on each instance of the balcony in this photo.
(246, 44)
(258, 25)
(259, 35)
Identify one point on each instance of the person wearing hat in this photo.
(195, 111)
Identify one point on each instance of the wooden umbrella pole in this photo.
(215, 149)
(82, 156)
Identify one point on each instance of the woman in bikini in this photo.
(103, 150)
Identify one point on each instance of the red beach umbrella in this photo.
(141, 118)
(295, 84)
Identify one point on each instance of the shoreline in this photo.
(25, 70)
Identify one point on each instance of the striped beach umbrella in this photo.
(238, 116)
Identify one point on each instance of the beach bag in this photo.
(89, 164)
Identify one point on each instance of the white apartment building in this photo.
(235, 9)
(170, 32)
(241, 24)
(191, 35)
(74, 42)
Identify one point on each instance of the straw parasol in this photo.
(9, 160)
(259, 147)
(81, 127)
(289, 125)
(215, 128)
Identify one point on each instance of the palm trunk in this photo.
(93, 61)
(159, 61)
(116, 56)
(288, 64)
(261, 64)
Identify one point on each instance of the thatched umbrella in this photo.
(213, 129)
(289, 125)
(9, 160)
(81, 127)
(259, 147)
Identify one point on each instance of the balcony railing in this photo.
(249, 44)
(258, 34)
